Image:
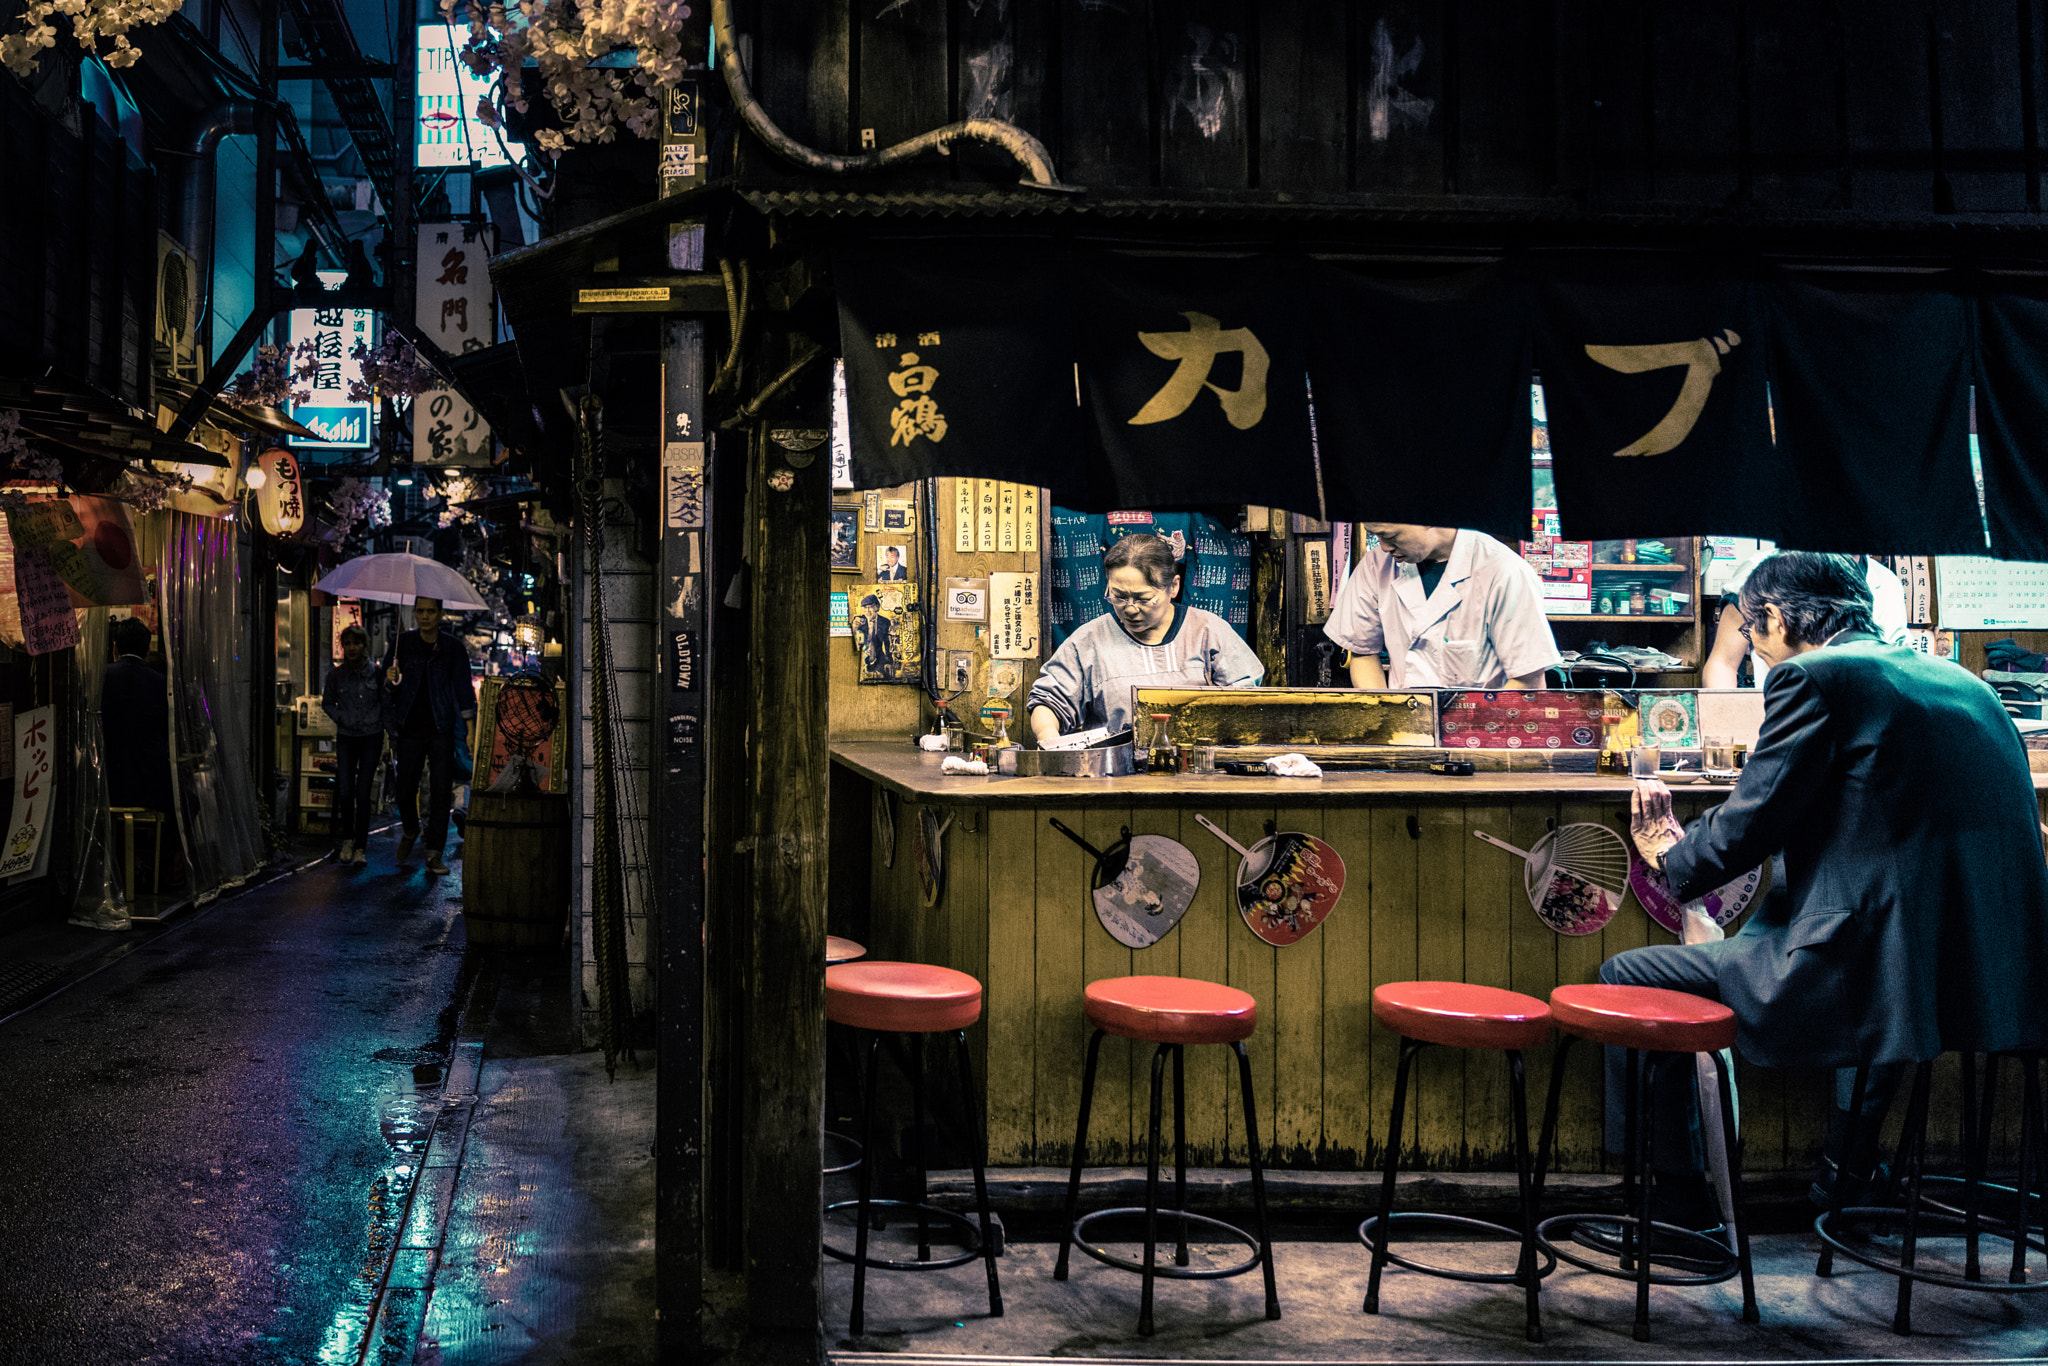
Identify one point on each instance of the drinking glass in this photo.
(1643, 761)
(1717, 754)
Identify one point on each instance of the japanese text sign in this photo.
(453, 312)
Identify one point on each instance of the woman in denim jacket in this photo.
(352, 698)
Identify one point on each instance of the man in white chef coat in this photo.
(1452, 608)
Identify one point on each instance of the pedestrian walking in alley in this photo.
(426, 696)
(354, 699)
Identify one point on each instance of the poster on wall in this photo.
(887, 636)
(26, 851)
(522, 735)
(1013, 616)
(347, 612)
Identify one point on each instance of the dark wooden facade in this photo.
(1802, 109)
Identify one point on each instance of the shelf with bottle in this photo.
(1673, 618)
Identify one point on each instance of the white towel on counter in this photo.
(1292, 766)
(955, 764)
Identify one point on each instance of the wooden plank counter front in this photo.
(1423, 899)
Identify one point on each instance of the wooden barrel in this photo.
(515, 875)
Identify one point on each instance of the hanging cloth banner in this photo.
(1871, 394)
(955, 366)
(101, 565)
(1659, 415)
(1421, 399)
(2012, 406)
(1193, 375)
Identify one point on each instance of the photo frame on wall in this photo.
(844, 542)
(892, 564)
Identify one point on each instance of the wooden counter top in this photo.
(912, 773)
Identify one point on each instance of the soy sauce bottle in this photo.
(1164, 758)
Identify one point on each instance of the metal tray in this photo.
(1110, 761)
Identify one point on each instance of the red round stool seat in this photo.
(1648, 1018)
(839, 949)
(1460, 1015)
(901, 998)
(1180, 1010)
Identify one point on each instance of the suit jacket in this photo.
(1914, 917)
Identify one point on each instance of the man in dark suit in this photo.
(1909, 911)
(135, 714)
(893, 569)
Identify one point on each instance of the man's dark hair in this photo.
(1149, 555)
(1817, 595)
(131, 637)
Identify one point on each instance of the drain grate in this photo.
(20, 983)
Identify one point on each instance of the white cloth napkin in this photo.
(1292, 766)
(955, 764)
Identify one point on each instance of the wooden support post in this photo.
(784, 1010)
(685, 530)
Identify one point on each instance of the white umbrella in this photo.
(401, 578)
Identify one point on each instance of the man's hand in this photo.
(391, 674)
(1651, 823)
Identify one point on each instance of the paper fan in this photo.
(1576, 875)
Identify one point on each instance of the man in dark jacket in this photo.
(427, 694)
(1910, 914)
(136, 716)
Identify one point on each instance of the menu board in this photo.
(1013, 616)
(1978, 594)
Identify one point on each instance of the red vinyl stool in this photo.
(1458, 1015)
(1668, 1026)
(839, 949)
(1918, 1209)
(1171, 1012)
(915, 999)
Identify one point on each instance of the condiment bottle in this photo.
(1163, 759)
(1606, 606)
(1635, 599)
(1628, 552)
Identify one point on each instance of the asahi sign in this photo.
(341, 422)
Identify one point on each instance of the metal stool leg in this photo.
(1838, 1197)
(1631, 1125)
(2033, 1174)
(988, 1234)
(924, 1228)
(1532, 1284)
(1550, 1108)
(1389, 1169)
(1152, 1191)
(1646, 1096)
(1732, 1145)
(1180, 1152)
(1916, 1136)
(156, 865)
(1251, 1138)
(858, 1321)
(1976, 1154)
(1059, 1270)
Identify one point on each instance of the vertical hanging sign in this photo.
(963, 516)
(985, 516)
(454, 312)
(1027, 518)
(682, 137)
(35, 749)
(1006, 518)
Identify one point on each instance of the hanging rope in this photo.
(608, 890)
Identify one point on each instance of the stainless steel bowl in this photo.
(1110, 761)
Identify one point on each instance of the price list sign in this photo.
(1977, 594)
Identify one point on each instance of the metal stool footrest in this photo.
(1714, 1249)
(845, 1144)
(1169, 1218)
(944, 1216)
(1514, 1277)
(1953, 1224)
(1988, 1221)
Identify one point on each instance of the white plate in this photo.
(1690, 775)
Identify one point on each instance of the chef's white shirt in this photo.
(1483, 625)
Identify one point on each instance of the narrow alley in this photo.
(304, 1124)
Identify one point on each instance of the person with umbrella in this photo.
(427, 695)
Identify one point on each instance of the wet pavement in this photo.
(278, 1130)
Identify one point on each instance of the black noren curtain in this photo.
(1195, 387)
(956, 364)
(1870, 387)
(2012, 406)
(1422, 398)
(1653, 381)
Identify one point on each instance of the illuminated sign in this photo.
(280, 499)
(448, 132)
(343, 424)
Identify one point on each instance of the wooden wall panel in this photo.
(1977, 71)
(903, 86)
(1796, 65)
(1505, 111)
(1108, 79)
(1297, 1007)
(1439, 1102)
(1203, 939)
(1621, 131)
(1395, 886)
(799, 60)
(1011, 985)
(1398, 98)
(1116, 1129)
(1000, 61)
(1305, 112)
(1204, 51)
(1061, 1040)
(1578, 959)
(1348, 1114)
(1253, 968)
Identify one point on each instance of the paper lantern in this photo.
(280, 501)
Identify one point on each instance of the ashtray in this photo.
(1688, 775)
(1722, 775)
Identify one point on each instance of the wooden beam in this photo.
(784, 1008)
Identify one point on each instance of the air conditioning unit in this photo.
(177, 352)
